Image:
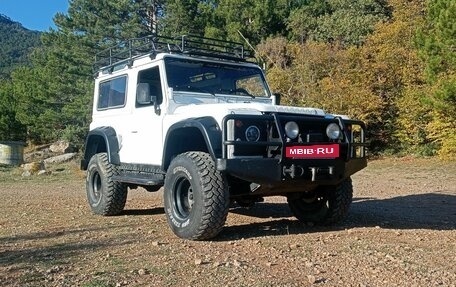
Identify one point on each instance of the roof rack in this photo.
(125, 52)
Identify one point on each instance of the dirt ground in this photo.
(401, 231)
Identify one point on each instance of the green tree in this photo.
(346, 22)
(54, 95)
(10, 128)
(183, 17)
(437, 42)
(303, 21)
(105, 23)
(251, 20)
(437, 38)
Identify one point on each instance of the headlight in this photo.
(252, 133)
(333, 131)
(292, 130)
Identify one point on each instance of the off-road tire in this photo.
(105, 196)
(196, 196)
(324, 206)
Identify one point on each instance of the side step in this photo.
(140, 178)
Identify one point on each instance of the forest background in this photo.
(390, 63)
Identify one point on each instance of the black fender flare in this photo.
(101, 139)
(209, 129)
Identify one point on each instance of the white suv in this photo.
(193, 115)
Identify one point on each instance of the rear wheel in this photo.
(105, 196)
(323, 206)
(196, 196)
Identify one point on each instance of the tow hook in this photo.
(294, 171)
(315, 170)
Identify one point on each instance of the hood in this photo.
(218, 111)
(246, 108)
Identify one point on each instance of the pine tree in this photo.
(54, 95)
(10, 128)
(437, 42)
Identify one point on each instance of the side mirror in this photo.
(277, 98)
(143, 96)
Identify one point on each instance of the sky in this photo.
(33, 14)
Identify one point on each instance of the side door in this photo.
(143, 141)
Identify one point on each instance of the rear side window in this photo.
(112, 93)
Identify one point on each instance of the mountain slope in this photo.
(16, 42)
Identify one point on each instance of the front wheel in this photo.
(323, 206)
(196, 196)
(105, 196)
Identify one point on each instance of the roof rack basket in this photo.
(125, 52)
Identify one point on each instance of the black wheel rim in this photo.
(183, 197)
(96, 187)
(314, 202)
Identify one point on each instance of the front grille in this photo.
(313, 137)
(312, 129)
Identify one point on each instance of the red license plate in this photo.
(313, 151)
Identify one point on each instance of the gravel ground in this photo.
(401, 231)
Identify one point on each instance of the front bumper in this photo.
(288, 172)
(275, 171)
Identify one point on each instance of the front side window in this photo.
(151, 76)
(112, 93)
(215, 78)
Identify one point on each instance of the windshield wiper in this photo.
(238, 92)
(194, 89)
(243, 91)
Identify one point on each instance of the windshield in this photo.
(215, 78)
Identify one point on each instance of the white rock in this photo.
(26, 173)
(42, 172)
(62, 147)
(60, 158)
(142, 272)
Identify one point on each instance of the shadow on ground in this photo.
(435, 211)
(419, 211)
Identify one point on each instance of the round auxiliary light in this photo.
(252, 133)
(292, 130)
(333, 131)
